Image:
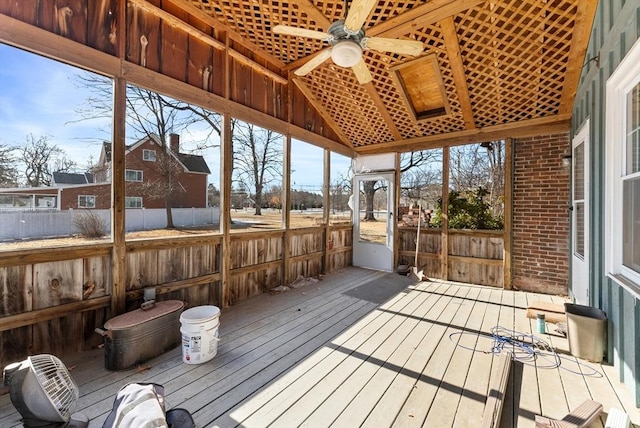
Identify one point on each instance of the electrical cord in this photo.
(528, 349)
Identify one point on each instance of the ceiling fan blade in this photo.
(358, 13)
(300, 32)
(399, 46)
(362, 72)
(321, 57)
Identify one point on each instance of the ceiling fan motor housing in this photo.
(347, 46)
(338, 33)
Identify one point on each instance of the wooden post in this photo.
(226, 154)
(119, 269)
(286, 211)
(326, 210)
(444, 235)
(396, 209)
(508, 212)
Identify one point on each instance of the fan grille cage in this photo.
(56, 382)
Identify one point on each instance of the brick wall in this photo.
(541, 197)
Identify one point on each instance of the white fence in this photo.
(15, 225)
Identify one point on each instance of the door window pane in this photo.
(579, 230)
(578, 172)
(373, 211)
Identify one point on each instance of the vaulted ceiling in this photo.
(501, 68)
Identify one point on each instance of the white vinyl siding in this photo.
(623, 172)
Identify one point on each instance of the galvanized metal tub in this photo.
(138, 336)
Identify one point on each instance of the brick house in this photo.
(145, 169)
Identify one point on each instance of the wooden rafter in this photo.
(420, 16)
(578, 49)
(451, 42)
(526, 128)
(326, 116)
(214, 23)
(205, 38)
(312, 12)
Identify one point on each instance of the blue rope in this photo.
(528, 349)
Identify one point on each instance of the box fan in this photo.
(43, 392)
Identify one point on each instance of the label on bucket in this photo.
(191, 346)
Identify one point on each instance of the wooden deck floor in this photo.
(360, 348)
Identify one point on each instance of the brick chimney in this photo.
(174, 143)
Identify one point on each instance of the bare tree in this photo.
(41, 158)
(408, 161)
(477, 166)
(257, 158)
(8, 172)
(153, 114)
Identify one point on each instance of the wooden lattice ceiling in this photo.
(507, 66)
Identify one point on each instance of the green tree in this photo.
(468, 210)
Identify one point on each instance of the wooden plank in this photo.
(474, 393)
(44, 255)
(268, 406)
(358, 394)
(445, 403)
(175, 285)
(579, 43)
(420, 401)
(219, 26)
(549, 125)
(452, 45)
(40, 315)
(386, 408)
(497, 389)
(476, 260)
(422, 15)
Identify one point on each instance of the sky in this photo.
(41, 97)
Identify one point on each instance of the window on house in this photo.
(623, 172)
(149, 155)
(132, 175)
(86, 201)
(133, 202)
(631, 184)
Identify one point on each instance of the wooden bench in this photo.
(497, 390)
(580, 417)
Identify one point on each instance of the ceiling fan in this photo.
(347, 40)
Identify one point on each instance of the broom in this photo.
(414, 269)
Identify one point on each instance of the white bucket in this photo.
(199, 328)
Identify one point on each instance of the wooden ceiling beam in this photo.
(205, 38)
(421, 16)
(579, 43)
(371, 90)
(189, 8)
(313, 12)
(323, 112)
(452, 45)
(526, 128)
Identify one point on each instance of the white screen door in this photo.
(580, 217)
(373, 221)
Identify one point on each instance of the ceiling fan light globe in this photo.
(346, 53)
